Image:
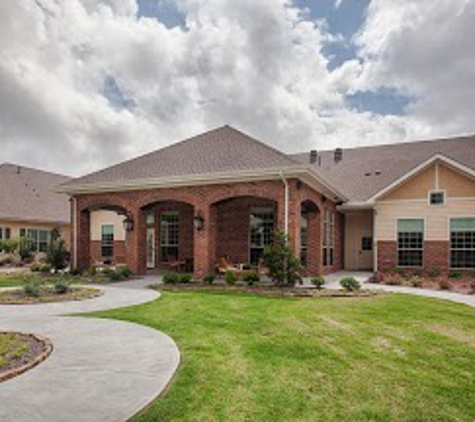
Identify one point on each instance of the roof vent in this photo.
(338, 155)
(313, 156)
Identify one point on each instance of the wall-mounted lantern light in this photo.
(198, 221)
(128, 224)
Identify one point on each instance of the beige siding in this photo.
(436, 217)
(416, 187)
(98, 218)
(455, 184)
(357, 225)
(15, 227)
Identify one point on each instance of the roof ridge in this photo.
(397, 144)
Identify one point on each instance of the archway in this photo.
(310, 235)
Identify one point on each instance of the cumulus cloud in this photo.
(255, 64)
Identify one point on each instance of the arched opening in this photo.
(244, 227)
(169, 236)
(310, 237)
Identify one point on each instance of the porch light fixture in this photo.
(128, 224)
(198, 221)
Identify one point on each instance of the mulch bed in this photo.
(268, 291)
(28, 351)
(48, 295)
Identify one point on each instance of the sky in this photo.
(88, 83)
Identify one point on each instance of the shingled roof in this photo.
(27, 194)
(365, 171)
(223, 150)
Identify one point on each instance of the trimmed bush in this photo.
(185, 278)
(415, 281)
(251, 277)
(230, 277)
(32, 287)
(171, 278)
(76, 271)
(45, 269)
(433, 273)
(318, 282)
(125, 271)
(209, 279)
(92, 271)
(444, 285)
(61, 286)
(350, 284)
(455, 275)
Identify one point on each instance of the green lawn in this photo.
(12, 346)
(10, 282)
(257, 358)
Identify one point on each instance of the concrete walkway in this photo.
(333, 282)
(100, 370)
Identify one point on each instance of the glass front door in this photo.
(151, 248)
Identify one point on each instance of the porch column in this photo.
(294, 219)
(136, 243)
(205, 243)
(82, 239)
(314, 244)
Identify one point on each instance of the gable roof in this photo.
(27, 194)
(364, 172)
(221, 151)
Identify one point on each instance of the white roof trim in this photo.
(419, 168)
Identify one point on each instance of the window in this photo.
(107, 241)
(303, 238)
(169, 225)
(4, 234)
(332, 239)
(40, 238)
(261, 227)
(437, 198)
(366, 243)
(410, 237)
(325, 238)
(462, 243)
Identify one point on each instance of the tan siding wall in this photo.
(455, 184)
(415, 188)
(15, 227)
(357, 224)
(98, 218)
(436, 217)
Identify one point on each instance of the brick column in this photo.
(436, 255)
(314, 244)
(387, 255)
(82, 243)
(136, 243)
(205, 243)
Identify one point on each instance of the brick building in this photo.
(222, 193)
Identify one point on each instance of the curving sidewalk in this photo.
(100, 370)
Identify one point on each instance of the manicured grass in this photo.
(10, 282)
(257, 358)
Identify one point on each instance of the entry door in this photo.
(365, 253)
(151, 248)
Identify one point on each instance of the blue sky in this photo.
(344, 19)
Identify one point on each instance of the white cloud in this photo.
(256, 64)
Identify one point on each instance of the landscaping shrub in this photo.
(209, 279)
(171, 278)
(61, 286)
(455, 275)
(125, 271)
(444, 285)
(185, 278)
(57, 255)
(433, 273)
(92, 271)
(318, 282)
(415, 281)
(75, 271)
(44, 268)
(251, 277)
(9, 245)
(394, 281)
(350, 284)
(279, 258)
(230, 277)
(32, 287)
(26, 249)
(114, 275)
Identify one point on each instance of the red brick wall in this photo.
(436, 255)
(207, 244)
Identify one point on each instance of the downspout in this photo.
(286, 203)
(375, 241)
(75, 241)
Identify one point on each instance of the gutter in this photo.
(286, 203)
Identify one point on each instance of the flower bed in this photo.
(47, 294)
(20, 352)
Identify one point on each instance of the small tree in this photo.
(26, 248)
(9, 245)
(279, 258)
(57, 255)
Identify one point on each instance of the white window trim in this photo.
(256, 210)
(423, 242)
(449, 231)
(442, 191)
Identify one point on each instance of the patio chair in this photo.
(176, 264)
(224, 265)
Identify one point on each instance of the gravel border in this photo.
(47, 350)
